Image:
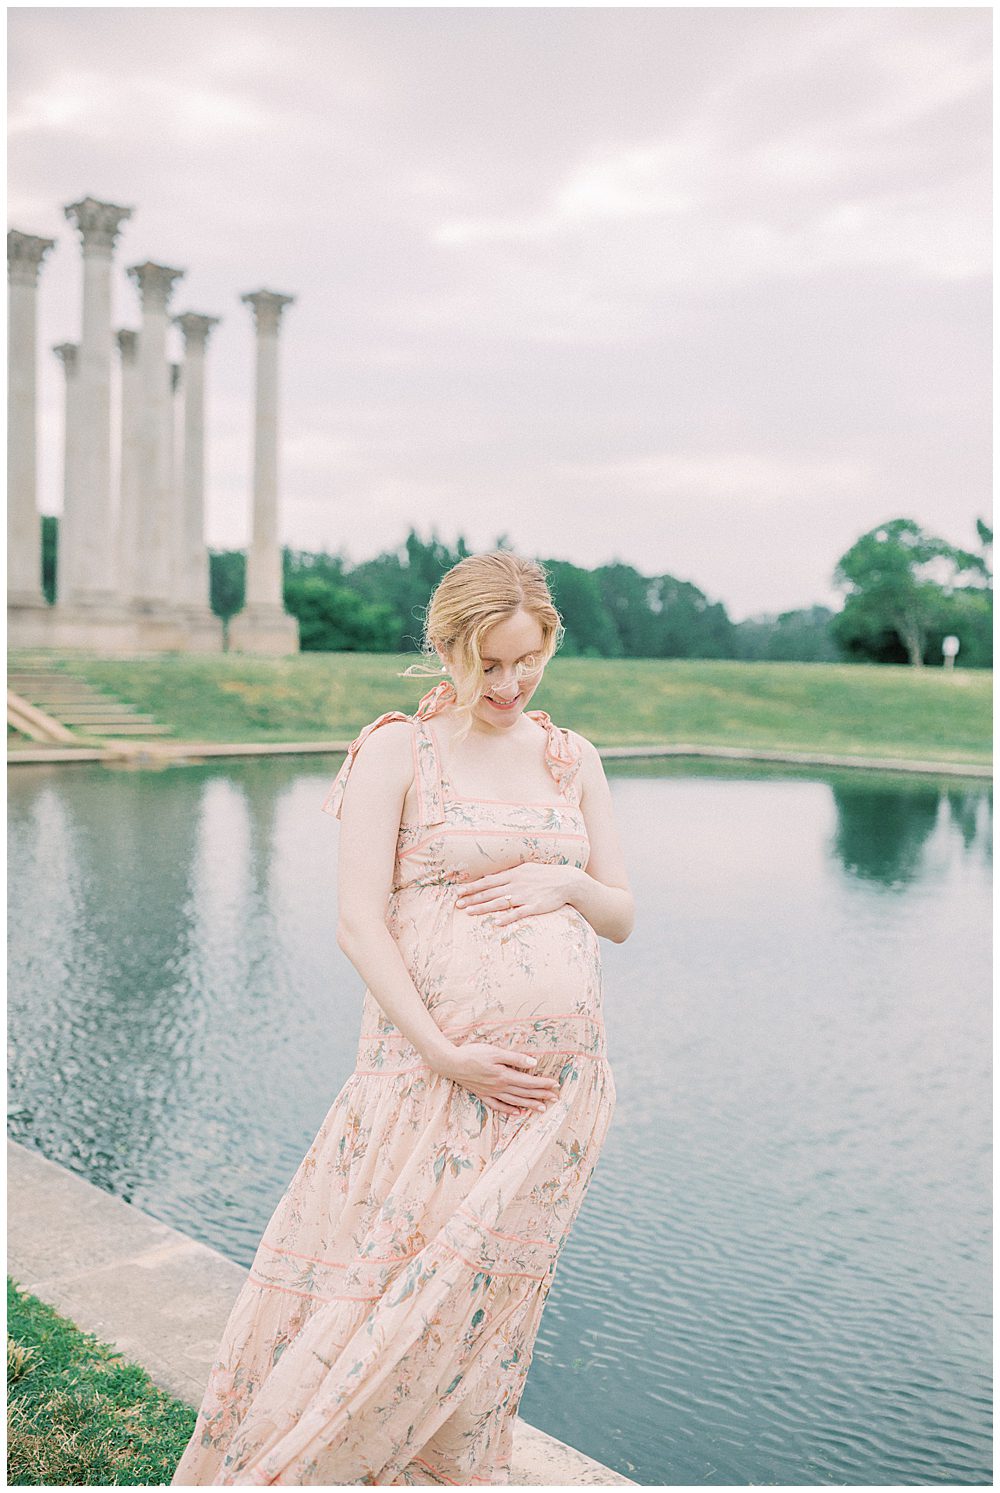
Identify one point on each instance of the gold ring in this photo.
(510, 903)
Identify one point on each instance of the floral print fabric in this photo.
(385, 1330)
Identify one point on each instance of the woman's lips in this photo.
(497, 706)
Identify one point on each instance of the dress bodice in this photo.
(534, 981)
(454, 838)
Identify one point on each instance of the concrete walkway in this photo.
(150, 753)
(163, 1299)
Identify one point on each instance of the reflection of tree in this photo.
(881, 831)
(966, 810)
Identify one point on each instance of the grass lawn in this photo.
(854, 709)
(77, 1412)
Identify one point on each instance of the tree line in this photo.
(905, 590)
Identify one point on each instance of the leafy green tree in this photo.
(50, 551)
(800, 636)
(403, 580)
(968, 615)
(227, 571)
(626, 597)
(336, 619)
(688, 625)
(590, 629)
(299, 563)
(897, 579)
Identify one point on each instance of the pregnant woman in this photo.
(386, 1327)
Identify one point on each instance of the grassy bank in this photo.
(77, 1412)
(851, 709)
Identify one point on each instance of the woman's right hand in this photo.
(502, 1079)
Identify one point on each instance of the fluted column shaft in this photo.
(154, 584)
(68, 354)
(194, 586)
(91, 578)
(264, 579)
(25, 253)
(174, 479)
(128, 484)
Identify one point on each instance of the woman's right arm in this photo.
(370, 816)
(369, 829)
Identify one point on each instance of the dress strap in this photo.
(335, 797)
(563, 758)
(427, 774)
(426, 763)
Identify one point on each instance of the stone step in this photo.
(51, 697)
(60, 682)
(105, 718)
(86, 711)
(75, 703)
(120, 729)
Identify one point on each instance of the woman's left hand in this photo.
(531, 887)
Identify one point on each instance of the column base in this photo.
(202, 629)
(93, 630)
(27, 601)
(137, 628)
(264, 629)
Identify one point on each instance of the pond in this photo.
(781, 1270)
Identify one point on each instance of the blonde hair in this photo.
(469, 599)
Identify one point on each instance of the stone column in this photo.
(264, 625)
(154, 584)
(174, 486)
(92, 580)
(25, 252)
(193, 587)
(175, 383)
(68, 354)
(128, 485)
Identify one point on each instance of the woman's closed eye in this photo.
(525, 667)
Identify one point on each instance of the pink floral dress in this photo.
(384, 1333)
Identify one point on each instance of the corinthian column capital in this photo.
(267, 308)
(99, 223)
(25, 252)
(195, 328)
(155, 282)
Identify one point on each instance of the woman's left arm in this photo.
(602, 892)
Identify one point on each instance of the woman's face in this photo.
(510, 645)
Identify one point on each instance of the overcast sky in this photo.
(706, 291)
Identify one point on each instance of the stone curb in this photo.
(162, 1299)
(146, 752)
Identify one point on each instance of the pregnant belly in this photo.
(544, 965)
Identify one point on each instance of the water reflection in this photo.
(780, 1273)
(883, 834)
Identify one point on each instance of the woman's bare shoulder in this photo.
(585, 747)
(391, 741)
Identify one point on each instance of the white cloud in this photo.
(608, 186)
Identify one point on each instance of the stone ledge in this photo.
(186, 752)
(162, 1299)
